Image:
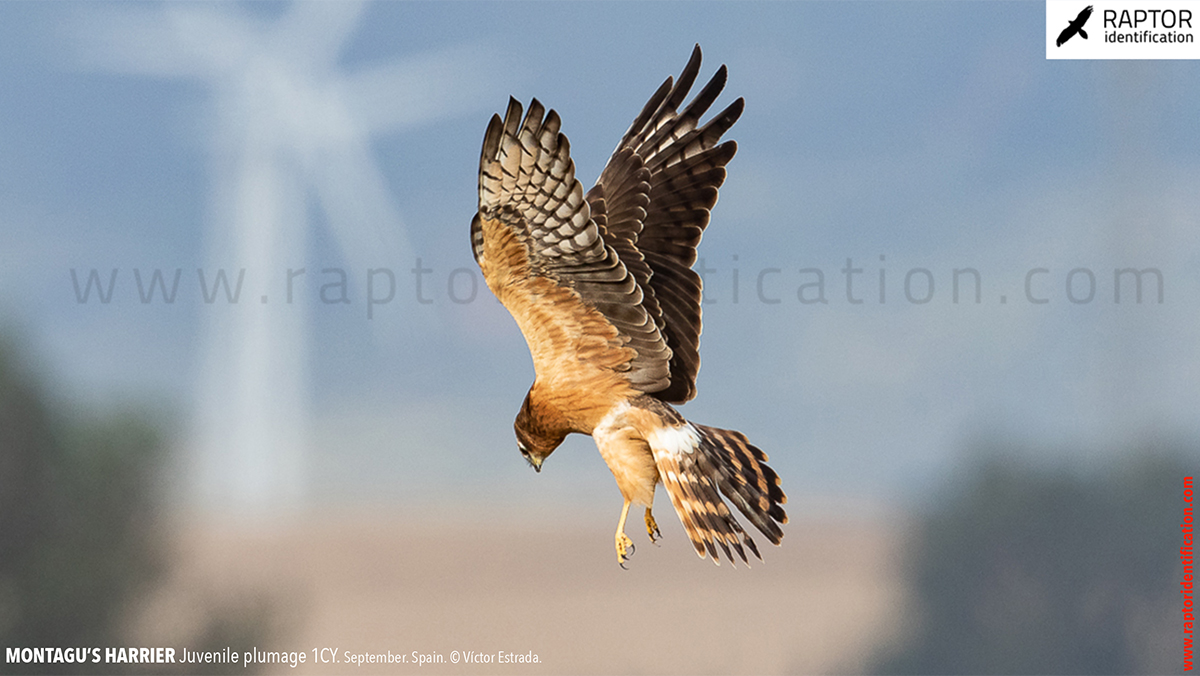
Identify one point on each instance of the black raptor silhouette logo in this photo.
(1075, 26)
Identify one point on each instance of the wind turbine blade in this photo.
(428, 87)
(177, 40)
(358, 205)
(315, 32)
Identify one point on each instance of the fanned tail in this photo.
(697, 464)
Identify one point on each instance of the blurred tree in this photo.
(1035, 571)
(80, 535)
(77, 537)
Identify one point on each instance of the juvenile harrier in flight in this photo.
(601, 286)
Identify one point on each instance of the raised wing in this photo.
(547, 260)
(656, 194)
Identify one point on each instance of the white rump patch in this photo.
(675, 440)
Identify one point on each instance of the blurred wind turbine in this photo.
(285, 123)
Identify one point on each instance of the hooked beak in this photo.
(534, 463)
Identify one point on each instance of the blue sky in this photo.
(934, 135)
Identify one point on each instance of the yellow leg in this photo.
(652, 527)
(624, 544)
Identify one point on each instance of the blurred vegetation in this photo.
(75, 507)
(81, 534)
(1023, 569)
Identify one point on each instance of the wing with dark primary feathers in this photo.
(653, 201)
(547, 259)
(626, 249)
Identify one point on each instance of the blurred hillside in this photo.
(546, 582)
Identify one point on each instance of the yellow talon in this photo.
(624, 544)
(652, 527)
(624, 548)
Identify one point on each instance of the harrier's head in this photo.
(535, 441)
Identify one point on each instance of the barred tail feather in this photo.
(746, 479)
(697, 464)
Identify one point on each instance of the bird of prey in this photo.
(602, 288)
(1075, 26)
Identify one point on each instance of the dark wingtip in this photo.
(513, 114)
